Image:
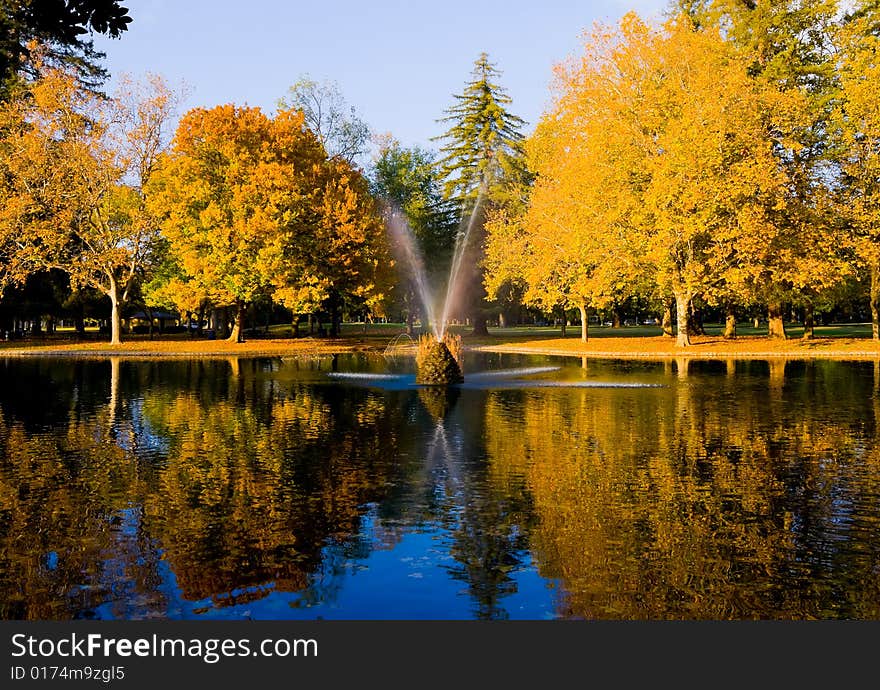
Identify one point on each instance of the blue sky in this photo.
(397, 63)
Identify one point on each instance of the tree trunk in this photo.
(615, 319)
(311, 325)
(334, 316)
(682, 306)
(695, 321)
(237, 334)
(502, 319)
(113, 294)
(775, 325)
(410, 329)
(221, 323)
(295, 326)
(875, 302)
(666, 323)
(480, 327)
(809, 322)
(584, 325)
(79, 324)
(730, 323)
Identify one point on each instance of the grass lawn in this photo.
(841, 340)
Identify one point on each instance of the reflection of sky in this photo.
(410, 580)
(145, 440)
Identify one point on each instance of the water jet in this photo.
(438, 360)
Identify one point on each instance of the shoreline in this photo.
(639, 347)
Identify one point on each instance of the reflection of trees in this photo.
(62, 499)
(250, 492)
(489, 517)
(738, 490)
(703, 501)
(237, 483)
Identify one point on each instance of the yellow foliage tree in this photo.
(858, 121)
(72, 172)
(233, 184)
(252, 207)
(654, 157)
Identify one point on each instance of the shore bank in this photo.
(648, 347)
(703, 347)
(196, 348)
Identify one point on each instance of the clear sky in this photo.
(398, 63)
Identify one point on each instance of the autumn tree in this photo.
(671, 122)
(337, 125)
(791, 54)
(73, 170)
(482, 165)
(569, 246)
(234, 182)
(858, 123)
(350, 256)
(252, 207)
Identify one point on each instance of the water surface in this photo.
(266, 488)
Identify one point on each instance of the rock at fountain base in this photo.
(438, 367)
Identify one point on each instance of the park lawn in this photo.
(176, 347)
(702, 347)
(841, 341)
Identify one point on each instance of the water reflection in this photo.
(264, 488)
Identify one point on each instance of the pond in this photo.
(273, 488)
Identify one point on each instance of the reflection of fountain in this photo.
(438, 401)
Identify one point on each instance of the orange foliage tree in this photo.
(251, 207)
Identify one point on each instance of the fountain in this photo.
(438, 358)
(438, 361)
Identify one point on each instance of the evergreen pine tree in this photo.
(483, 166)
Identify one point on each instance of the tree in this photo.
(569, 246)
(234, 182)
(404, 180)
(73, 170)
(791, 56)
(354, 254)
(57, 27)
(251, 207)
(670, 166)
(337, 125)
(482, 166)
(858, 122)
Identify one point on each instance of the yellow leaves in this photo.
(650, 153)
(65, 187)
(858, 120)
